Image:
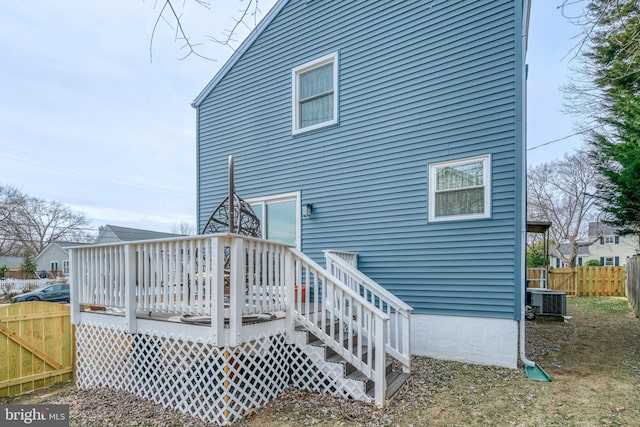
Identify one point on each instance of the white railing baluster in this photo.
(92, 297)
(194, 276)
(342, 266)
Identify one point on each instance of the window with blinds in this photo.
(460, 189)
(315, 94)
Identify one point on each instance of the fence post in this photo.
(130, 303)
(577, 282)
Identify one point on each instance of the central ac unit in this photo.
(546, 302)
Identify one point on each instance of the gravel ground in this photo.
(439, 392)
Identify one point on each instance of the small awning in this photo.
(538, 226)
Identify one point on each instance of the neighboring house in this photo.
(399, 128)
(556, 262)
(114, 233)
(610, 249)
(54, 258)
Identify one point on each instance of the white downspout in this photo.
(526, 8)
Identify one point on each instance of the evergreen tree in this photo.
(614, 58)
(28, 266)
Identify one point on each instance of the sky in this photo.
(95, 107)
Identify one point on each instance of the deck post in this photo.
(130, 303)
(289, 283)
(236, 291)
(380, 354)
(217, 291)
(76, 283)
(406, 331)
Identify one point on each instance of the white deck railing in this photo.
(399, 313)
(341, 318)
(228, 277)
(221, 276)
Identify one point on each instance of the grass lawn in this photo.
(593, 359)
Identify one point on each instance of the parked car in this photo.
(52, 293)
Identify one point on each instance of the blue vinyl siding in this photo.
(419, 82)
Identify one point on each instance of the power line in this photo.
(34, 160)
(561, 139)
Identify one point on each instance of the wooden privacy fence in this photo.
(36, 346)
(633, 283)
(589, 281)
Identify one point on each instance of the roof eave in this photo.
(244, 46)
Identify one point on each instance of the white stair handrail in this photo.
(397, 344)
(344, 320)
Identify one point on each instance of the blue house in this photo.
(394, 131)
(381, 146)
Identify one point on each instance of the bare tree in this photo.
(562, 192)
(10, 202)
(183, 228)
(30, 223)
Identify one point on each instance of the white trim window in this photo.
(65, 267)
(460, 189)
(315, 94)
(279, 217)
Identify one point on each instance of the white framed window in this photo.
(54, 266)
(609, 240)
(608, 261)
(279, 217)
(460, 189)
(65, 267)
(315, 94)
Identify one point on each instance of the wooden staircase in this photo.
(359, 385)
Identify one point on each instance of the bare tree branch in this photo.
(179, 30)
(561, 192)
(172, 15)
(244, 12)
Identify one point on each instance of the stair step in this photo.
(395, 380)
(359, 376)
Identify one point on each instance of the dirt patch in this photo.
(593, 359)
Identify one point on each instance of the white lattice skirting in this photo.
(218, 385)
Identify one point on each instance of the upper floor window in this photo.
(609, 240)
(460, 189)
(315, 94)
